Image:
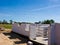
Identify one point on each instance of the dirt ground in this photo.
(17, 39)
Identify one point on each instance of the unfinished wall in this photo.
(33, 31)
(51, 35)
(54, 34)
(57, 33)
(43, 30)
(20, 29)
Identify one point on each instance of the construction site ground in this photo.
(15, 38)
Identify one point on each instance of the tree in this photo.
(52, 21)
(4, 22)
(48, 21)
(11, 21)
(0, 22)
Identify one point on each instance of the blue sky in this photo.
(30, 10)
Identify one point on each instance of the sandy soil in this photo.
(17, 39)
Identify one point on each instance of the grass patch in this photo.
(7, 26)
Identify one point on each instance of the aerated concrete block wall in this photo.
(54, 34)
(21, 29)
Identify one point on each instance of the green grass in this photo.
(7, 26)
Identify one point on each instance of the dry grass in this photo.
(7, 26)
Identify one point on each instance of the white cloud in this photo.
(48, 7)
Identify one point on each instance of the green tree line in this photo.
(6, 22)
(42, 22)
(46, 22)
